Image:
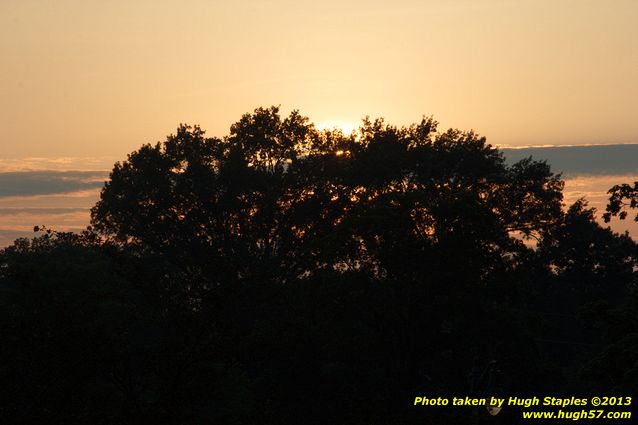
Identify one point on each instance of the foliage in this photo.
(278, 199)
(621, 197)
(285, 274)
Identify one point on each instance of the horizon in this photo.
(58, 192)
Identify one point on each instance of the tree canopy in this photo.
(286, 274)
(621, 198)
(279, 197)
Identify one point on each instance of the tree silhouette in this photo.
(279, 199)
(286, 274)
(600, 262)
(621, 197)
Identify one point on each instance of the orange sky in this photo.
(99, 78)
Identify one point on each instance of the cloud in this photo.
(594, 160)
(18, 222)
(30, 183)
(8, 236)
(594, 190)
(23, 219)
(39, 211)
(69, 163)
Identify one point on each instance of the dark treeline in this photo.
(286, 275)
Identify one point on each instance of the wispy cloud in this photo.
(60, 200)
(79, 199)
(43, 210)
(599, 160)
(17, 222)
(28, 183)
(68, 163)
(594, 190)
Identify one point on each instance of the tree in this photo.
(280, 199)
(403, 237)
(96, 333)
(621, 197)
(285, 274)
(596, 262)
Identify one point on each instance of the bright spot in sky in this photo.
(345, 126)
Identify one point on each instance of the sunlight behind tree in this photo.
(347, 127)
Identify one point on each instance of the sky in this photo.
(85, 78)
(84, 83)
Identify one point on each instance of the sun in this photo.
(346, 126)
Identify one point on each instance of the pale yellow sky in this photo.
(99, 78)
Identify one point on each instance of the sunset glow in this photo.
(89, 79)
(344, 126)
